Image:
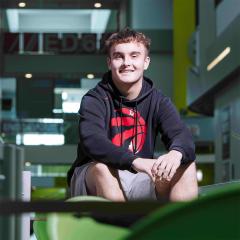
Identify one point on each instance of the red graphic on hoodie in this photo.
(132, 129)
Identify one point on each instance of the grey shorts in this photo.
(137, 186)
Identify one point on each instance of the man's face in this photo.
(127, 61)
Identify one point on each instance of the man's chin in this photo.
(127, 78)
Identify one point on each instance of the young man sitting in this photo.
(119, 122)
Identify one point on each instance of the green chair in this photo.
(213, 216)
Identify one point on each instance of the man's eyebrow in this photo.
(117, 53)
(135, 52)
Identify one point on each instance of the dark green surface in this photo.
(213, 216)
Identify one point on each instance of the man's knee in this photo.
(184, 184)
(103, 181)
(186, 172)
(101, 174)
(97, 174)
(101, 170)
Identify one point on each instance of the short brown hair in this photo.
(125, 36)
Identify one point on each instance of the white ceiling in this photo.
(62, 21)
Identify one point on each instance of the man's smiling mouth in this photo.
(126, 71)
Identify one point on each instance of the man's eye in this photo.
(117, 56)
(134, 56)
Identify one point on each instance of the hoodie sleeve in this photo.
(175, 134)
(93, 135)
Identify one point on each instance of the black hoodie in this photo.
(115, 131)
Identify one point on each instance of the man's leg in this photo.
(182, 187)
(103, 181)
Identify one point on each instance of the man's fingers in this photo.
(166, 172)
(155, 166)
(172, 172)
(161, 169)
(153, 178)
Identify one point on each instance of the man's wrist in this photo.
(177, 154)
(135, 164)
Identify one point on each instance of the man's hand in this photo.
(166, 165)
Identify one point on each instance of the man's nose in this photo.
(127, 61)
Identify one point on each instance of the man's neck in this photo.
(130, 91)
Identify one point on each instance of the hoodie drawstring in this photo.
(134, 141)
(121, 121)
(136, 129)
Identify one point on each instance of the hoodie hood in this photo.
(108, 85)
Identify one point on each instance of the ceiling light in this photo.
(57, 110)
(90, 76)
(28, 75)
(43, 139)
(27, 164)
(219, 58)
(51, 120)
(97, 5)
(22, 4)
(64, 96)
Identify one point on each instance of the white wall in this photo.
(0, 99)
(8, 90)
(161, 72)
(226, 12)
(152, 14)
(227, 169)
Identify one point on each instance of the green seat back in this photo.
(40, 229)
(86, 198)
(39, 225)
(66, 226)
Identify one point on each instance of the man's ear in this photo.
(109, 63)
(146, 62)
